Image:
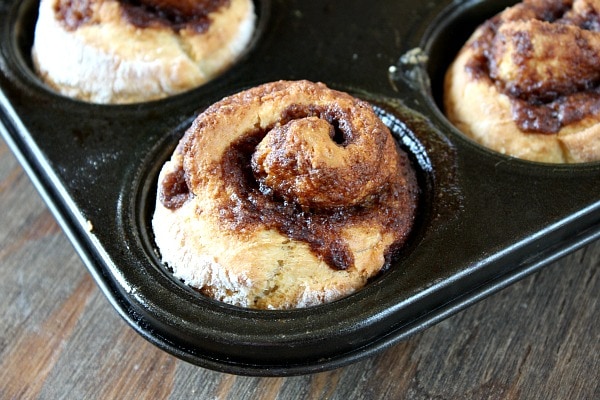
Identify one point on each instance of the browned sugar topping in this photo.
(74, 13)
(177, 15)
(551, 33)
(191, 14)
(174, 190)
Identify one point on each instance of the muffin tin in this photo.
(485, 220)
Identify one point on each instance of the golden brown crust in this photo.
(97, 51)
(264, 223)
(525, 84)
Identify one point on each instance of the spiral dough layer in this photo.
(289, 194)
(527, 83)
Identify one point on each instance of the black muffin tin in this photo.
(485, 220)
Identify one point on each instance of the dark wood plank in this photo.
(60, 338)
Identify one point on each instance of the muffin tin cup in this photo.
(485, 220)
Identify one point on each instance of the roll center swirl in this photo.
(320, 160)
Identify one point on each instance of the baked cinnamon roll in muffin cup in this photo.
(127, 51)
(286, 195)
(527, 82)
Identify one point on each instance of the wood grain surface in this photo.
(60, 337)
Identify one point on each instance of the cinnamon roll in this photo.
(286, 195)
(527, 82)
(125, 51)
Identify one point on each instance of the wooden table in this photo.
(60, 338)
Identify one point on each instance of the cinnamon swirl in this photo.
(125, 51)
(527, 82)
(289, 194)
